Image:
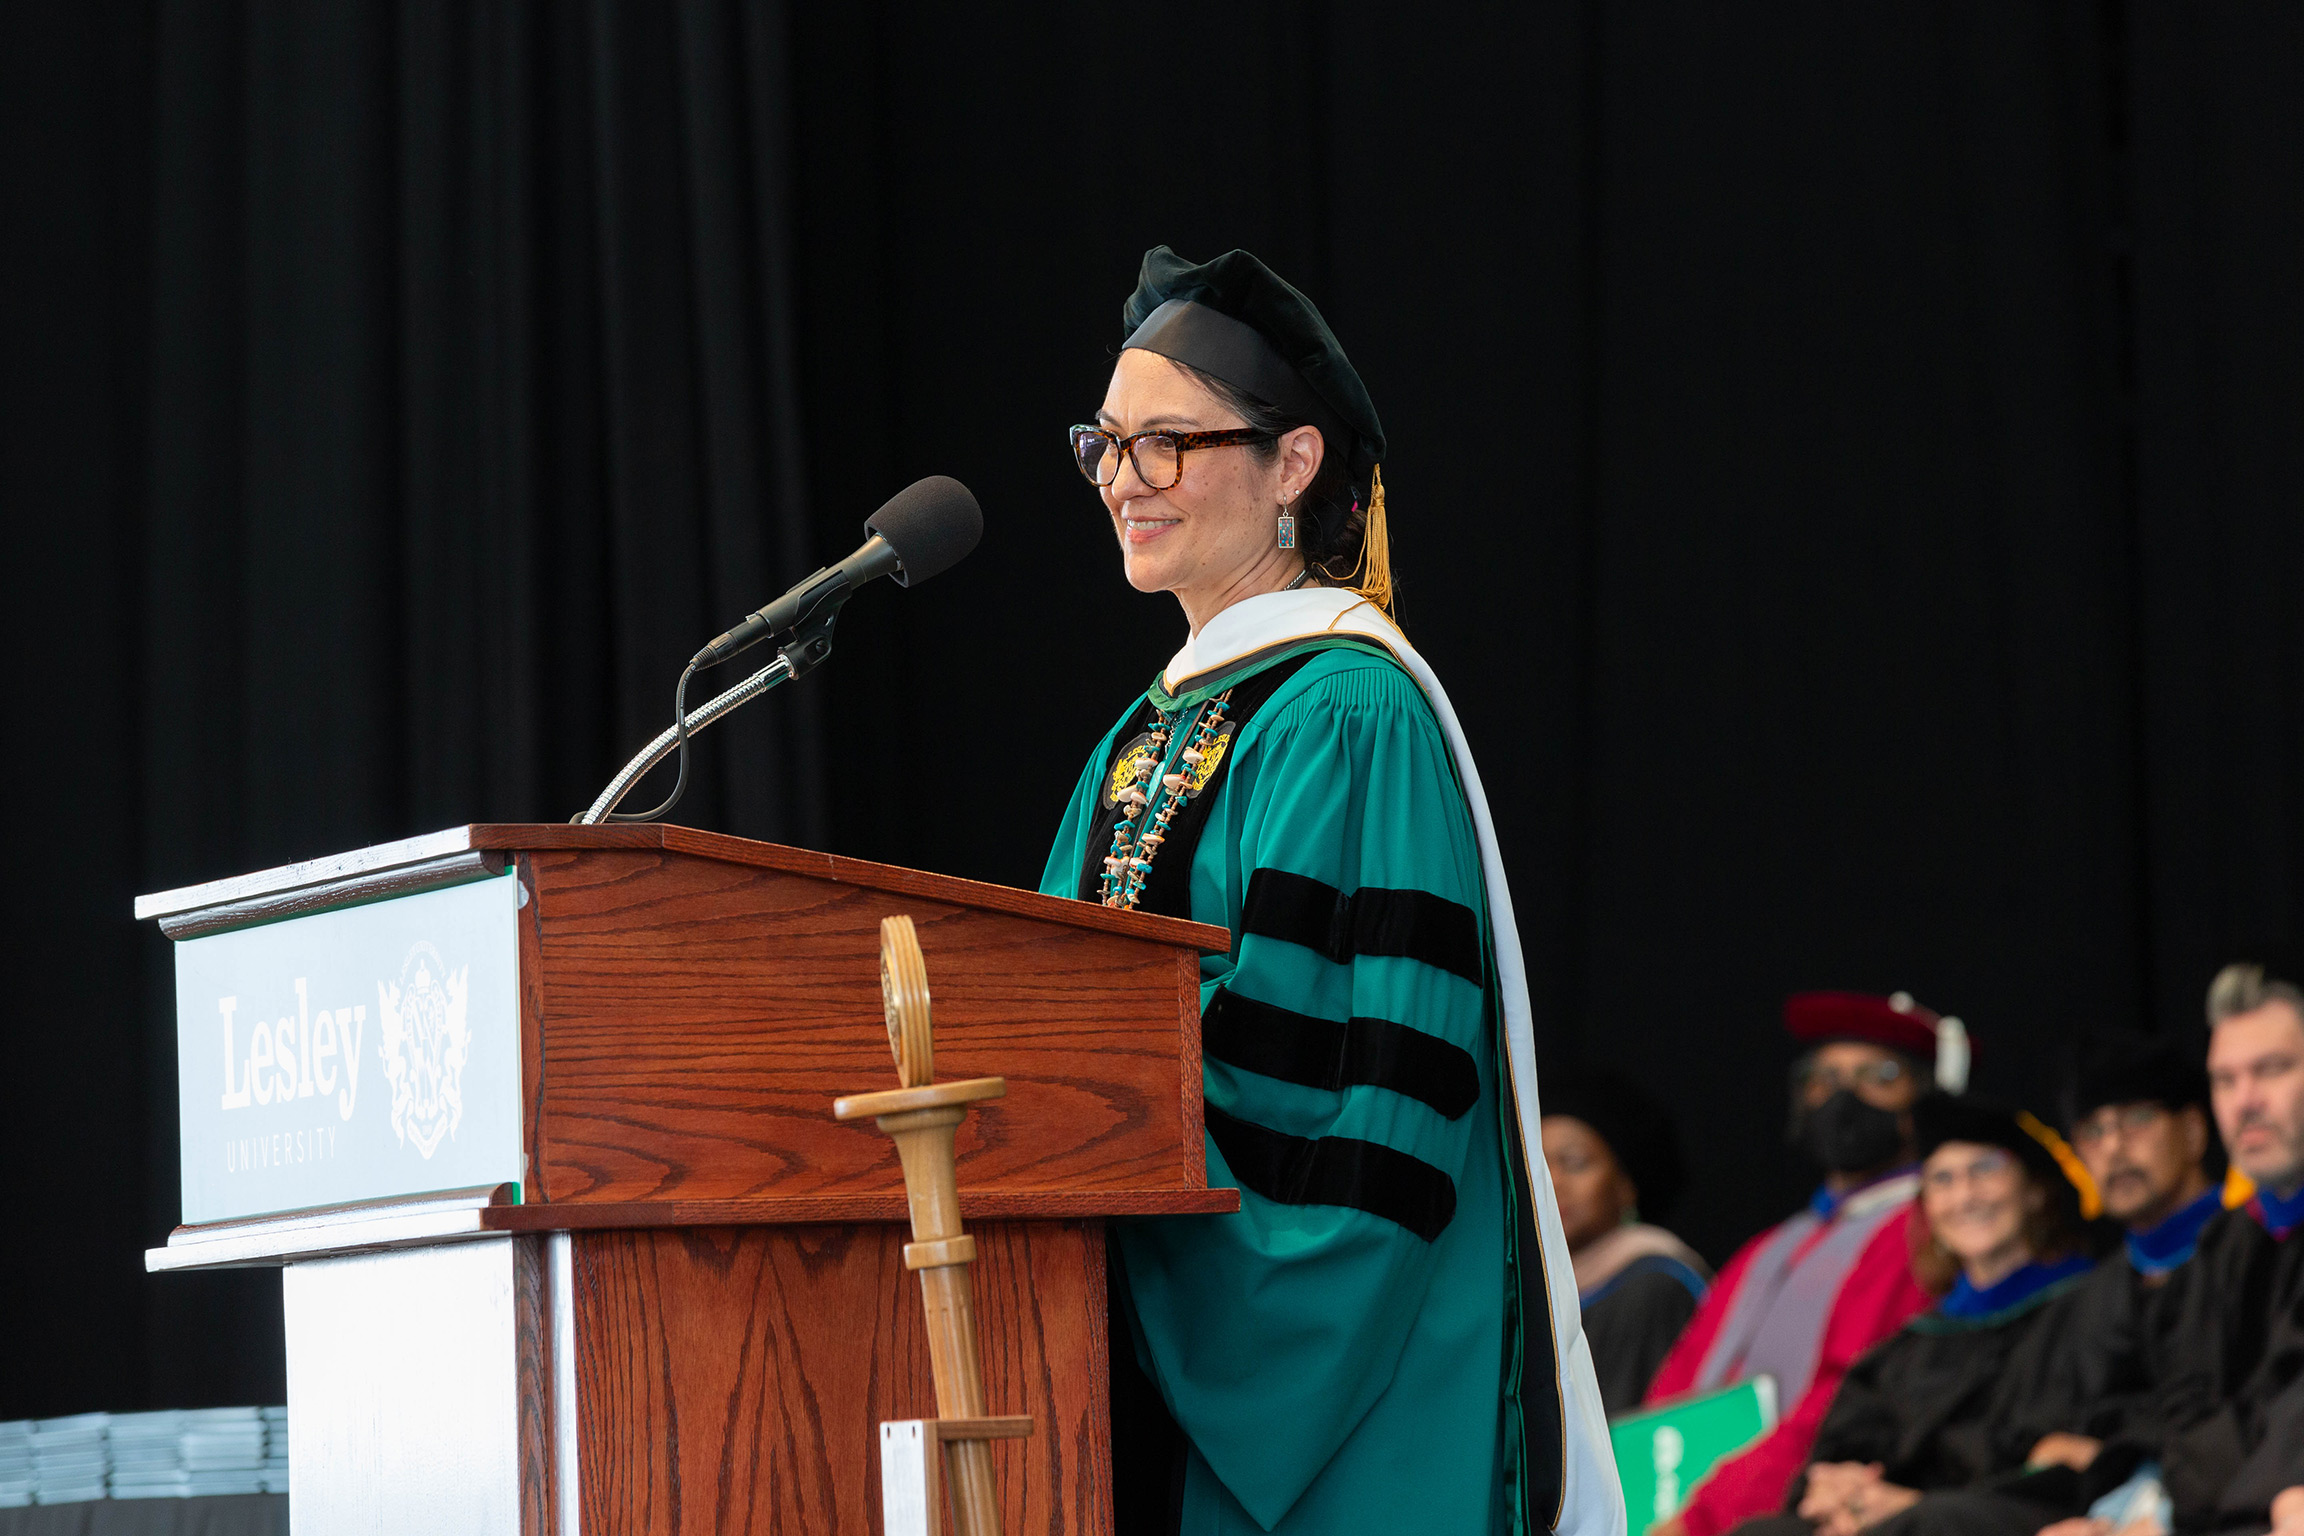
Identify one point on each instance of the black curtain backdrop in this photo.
(1846, 465)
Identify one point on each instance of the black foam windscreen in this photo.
(931, 524)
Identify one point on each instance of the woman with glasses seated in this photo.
(1385, 1337)
(1938, 1407)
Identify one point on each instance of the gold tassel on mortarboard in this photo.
(1372, 576)
(2075, 1171)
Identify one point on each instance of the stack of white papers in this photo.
(275, 1476)
(174, 1453)
(223, 1451)
(68, 1458)
(15, 1463)
(147, 1456)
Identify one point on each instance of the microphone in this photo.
(923, 531)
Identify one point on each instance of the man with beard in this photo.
(1801, 1301)
(2140, 1124)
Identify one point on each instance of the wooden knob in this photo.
(904, 997)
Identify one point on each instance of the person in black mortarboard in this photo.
(2140, 1123)
(1929, 1409)
(2220, 1426)
(1385, 1337)
(2211, 1430)
(1615, 1159)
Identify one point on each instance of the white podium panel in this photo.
(358, 1054)
(404, 1396)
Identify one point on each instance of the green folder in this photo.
(1662, 1453)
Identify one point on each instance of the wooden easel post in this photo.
(922, 1118)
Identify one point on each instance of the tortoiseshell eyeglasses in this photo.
(1158, 456)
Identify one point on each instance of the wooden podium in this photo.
(683, 1305)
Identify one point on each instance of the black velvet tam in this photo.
(2141, 1069)
(1634, 1125)
(1238, 320)
(1940, 1118)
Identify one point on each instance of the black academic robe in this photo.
(2227, 1421)
(2203, 1334)
(2200, 1374)
(1935, 1403)
(2090, 1375)
(1939, 1405)
(1631, 1326)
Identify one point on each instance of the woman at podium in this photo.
(1386, 1336)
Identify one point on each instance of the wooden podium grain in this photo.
(697, 1313)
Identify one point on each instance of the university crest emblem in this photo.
(426, 1043)
(1197, 775)
(1131, 766)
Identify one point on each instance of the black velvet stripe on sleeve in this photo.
(1371, 921)
(1336, 1170)
(1321, 1053)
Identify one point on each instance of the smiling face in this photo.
(1977, 1199)
(1211, 537)
(2256, 1077)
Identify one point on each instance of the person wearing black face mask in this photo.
(1851, 1138)
(1800, 1302)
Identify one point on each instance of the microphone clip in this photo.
(811, 640)
(797, 610)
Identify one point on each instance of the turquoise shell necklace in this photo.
(1129, 864)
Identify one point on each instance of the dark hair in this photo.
(1637, 1130)
(1332, 510)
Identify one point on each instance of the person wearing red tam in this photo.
(1800, 1302)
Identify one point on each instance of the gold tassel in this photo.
(2239, 1189)
(2075, 1171)
(1372, 576)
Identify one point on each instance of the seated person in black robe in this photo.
(1614, 1159)
(2220, 1343)
(1930, 1408)
(2226, 1423)
(2140, 1122)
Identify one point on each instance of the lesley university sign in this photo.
(350, 1055)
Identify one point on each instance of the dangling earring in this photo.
(1287, 525)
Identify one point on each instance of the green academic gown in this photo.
(1344, 1354)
